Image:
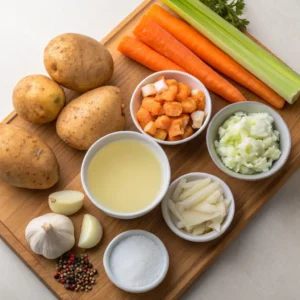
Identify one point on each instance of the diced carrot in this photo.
(183, 91)
(172, 109)
(200, 100)
(167, 95)
(186, 118)
(161, 134)
(176, 128)
(163, 122)
(150, 128)
(188, 131)
(175, 138)
(143, 117)
(189, 105)
(154, 108)
(170, 82)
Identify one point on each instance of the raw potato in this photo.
(66, 202)
(90, 117)
(25, 160)
(91, 232)
(78, 62)
(38, 99)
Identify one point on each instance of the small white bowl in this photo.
(127, 135)
(169, 218)
(124, 235)
(249, 107)
(193, 82)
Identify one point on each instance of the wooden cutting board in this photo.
(187, 260)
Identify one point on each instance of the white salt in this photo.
(136, 261)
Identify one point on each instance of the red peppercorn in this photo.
(73, 286)
(56, 275)
(67, 269)
(62, 280)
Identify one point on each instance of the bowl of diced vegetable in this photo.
(248, 141)
(198, 207)
(172, 107)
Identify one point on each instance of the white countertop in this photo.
(263, 262)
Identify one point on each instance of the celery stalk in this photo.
(279, 81)
(247, 42)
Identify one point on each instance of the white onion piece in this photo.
(160, 86)
(197, 117)
(148, 90)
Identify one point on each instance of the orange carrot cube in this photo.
(153, 107)
(170, 82)
(172, 109)
(143, 117)
(161, 134)
(163, 122)
(189, 105)
(176, 128)
(174, 138)
(186, 118)
(200, 99)
(183, 91)
(150, 128)
(188, 131)
(168, 94)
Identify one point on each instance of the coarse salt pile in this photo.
(136, 261)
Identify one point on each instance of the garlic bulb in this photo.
(50, 235)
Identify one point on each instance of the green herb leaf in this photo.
(230, 10)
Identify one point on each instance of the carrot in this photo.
(212, 55)
(152, 34)
(144, 55)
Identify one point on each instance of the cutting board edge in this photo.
(182, 287)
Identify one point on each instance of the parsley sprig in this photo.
(229, 10)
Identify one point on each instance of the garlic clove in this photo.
(66, 202)
(91, 232)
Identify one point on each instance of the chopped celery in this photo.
(255, 59)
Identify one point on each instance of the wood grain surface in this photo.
(187, 260)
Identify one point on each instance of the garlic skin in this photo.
(50, 235)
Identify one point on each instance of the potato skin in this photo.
(38, 99)
(90, 117)
(78, 62)
(25, 160)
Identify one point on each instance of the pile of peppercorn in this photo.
(75, 272)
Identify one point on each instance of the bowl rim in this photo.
(212, 234)
(279, 122)
(168, 72)
(163, 162)
(124, 235)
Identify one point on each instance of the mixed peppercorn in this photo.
(75, 272)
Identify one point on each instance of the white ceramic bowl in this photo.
(125, 135)
(249, 107)
(126, 234)
(169, 218)
(193, 82)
